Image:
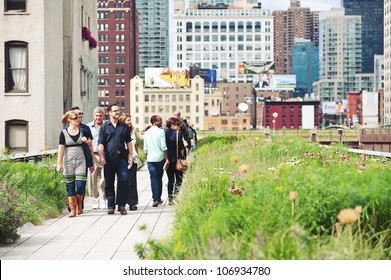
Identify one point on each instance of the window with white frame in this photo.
(16, 68)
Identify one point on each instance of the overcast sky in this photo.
(315, 5)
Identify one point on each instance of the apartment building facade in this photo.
(295, 22)
(153, 33)
(222, 39)
(340, 58)
(164, 102)
(46, 68)
(118, 51)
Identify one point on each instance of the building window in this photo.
(15, 5)
(232, 26)
(16, 67)
(16, 136)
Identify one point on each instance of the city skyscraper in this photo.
(296, 22)
(153, 32)
(118, 51)
(305, 65)
(387, 62)
(339, 55)
(371, 12)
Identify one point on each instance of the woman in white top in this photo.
(132, 199)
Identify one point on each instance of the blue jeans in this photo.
(156, 174)
(80, 188)
(119, 167)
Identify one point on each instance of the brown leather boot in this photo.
(80, 198)
(72, 205)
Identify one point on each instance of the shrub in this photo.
(11, 215)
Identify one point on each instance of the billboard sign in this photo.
(328, 108)
(255, 67)
(209, 75)
(167, 78)
(274, 82)
(341, 106)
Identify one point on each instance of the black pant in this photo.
(174, 177)
(132, 198)
(119, 167)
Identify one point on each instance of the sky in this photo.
(315, 5)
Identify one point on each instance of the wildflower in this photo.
(319, 152)
(363, 166)
(32, 199)
(243, 168)
(271, 169)
(204, 180)
(234, 159)
(293, 196)
(347, 216)
(235, 191)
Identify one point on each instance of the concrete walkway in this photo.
(95, 235)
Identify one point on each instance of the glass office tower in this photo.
(371, 12)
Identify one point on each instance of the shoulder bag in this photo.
(181, 164)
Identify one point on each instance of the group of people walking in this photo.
(105, 154)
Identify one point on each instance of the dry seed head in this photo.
(234, 159)
(243, 168)
(347, 216)
(293, 196)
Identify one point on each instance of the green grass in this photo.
(213, 221)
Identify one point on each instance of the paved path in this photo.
(95, 235)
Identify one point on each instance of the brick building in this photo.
(292, 114)
(118, 51)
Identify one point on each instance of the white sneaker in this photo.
(95, 205)
(102, 204)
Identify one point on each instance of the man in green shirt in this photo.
(155, 150)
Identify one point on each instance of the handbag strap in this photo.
(177, 146)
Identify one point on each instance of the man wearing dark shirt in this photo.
(113, 136)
